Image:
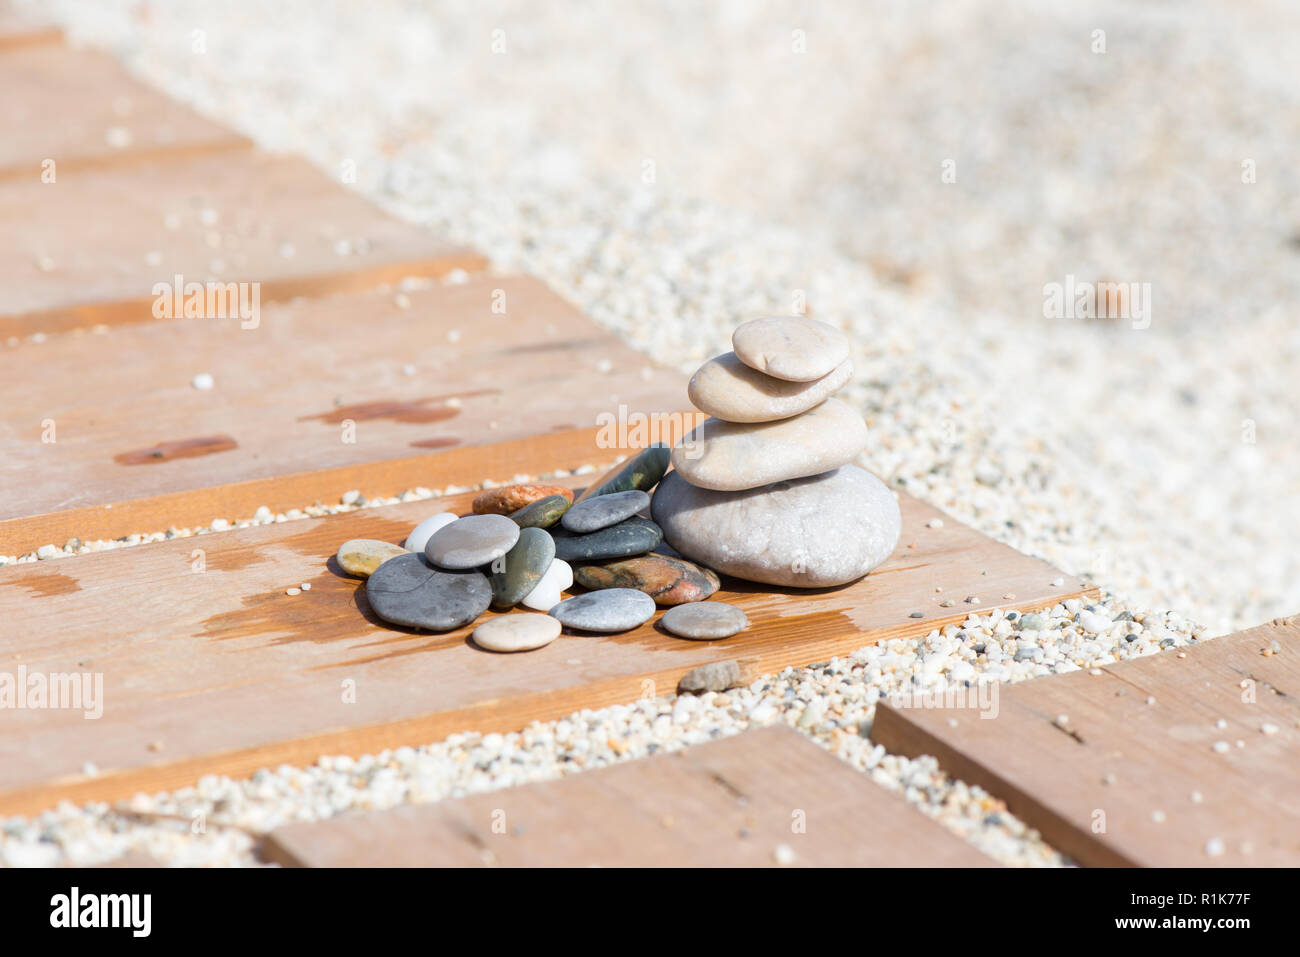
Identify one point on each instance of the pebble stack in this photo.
(765, 489)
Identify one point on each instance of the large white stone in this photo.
(810, 533)
(731, 456)
(727, 388)
(790, 347)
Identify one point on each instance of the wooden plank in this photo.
(273, 431)
(83, 110)
(1136, 752)
(727, 803)
(230, 674)
(17, 30)
(92, 247)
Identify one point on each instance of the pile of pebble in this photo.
(516, 549)
(764, 489)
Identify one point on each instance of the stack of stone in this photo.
(764, 490)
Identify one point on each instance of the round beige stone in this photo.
(732, 456)
(361, 556)
(704, 620)
(790, 347)
(517, 632)
(727, 388)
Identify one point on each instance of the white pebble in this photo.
(421, 534)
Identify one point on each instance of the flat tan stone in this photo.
(727, 388)
(731, 456)
(517, 632)
(790, 347)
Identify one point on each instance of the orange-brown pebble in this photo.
(511, 498)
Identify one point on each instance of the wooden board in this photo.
(1132, 767)
(727, 803)
(230, 674)
(91, 248)
(18, 30)
(82, 109)
(134, 433)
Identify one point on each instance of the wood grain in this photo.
(727, 803)
(231, 674)
(91, 248)
(137, 448)
(1137, 746)
(83, 110)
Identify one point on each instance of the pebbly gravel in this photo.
(1159, 462)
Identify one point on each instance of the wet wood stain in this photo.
(439, 443)
(431, 408)
(333, 608)
(44, 583)
(566, 345)
(179, 449)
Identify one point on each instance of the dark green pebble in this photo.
(522, 567)
(543, 513)
(642, 471)
(636, 536)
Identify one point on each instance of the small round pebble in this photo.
(472, 541)
(608, 610)
(593, 514)
(518, 632)
(704, 620)
(421, 534)
(361, 556)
